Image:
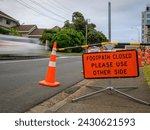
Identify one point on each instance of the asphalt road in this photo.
(19, 88)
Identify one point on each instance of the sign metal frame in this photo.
(111, 88)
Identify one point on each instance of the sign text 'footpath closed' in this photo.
(111, 64)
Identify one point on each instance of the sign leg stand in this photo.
(111, 89)
(90, 94)
(131, 97)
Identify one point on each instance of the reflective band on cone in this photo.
(52, 64)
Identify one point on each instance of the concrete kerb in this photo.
(53, 104)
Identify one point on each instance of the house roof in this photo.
(8, 17)
(37, 31)
(24, 28)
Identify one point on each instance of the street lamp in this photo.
(86, 33)
(109, 21)
(86, 30)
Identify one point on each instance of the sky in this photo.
(125, 14)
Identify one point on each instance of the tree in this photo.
(48, 34)
(68, 37)
(67, 24)
(79, 22)
(95, 37)
(91, 26)
(73, 33)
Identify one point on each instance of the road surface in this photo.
(19, 89)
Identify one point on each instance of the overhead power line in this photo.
(43, 7)
(37, 11)
(58, 3)
(59, 6)
(56, 7)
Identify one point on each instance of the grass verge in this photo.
(146, 71)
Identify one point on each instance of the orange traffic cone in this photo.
(51, 71)
(89, 49)
(140, 59)
(148, 57)
(146, 53)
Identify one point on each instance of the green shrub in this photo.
(4, 31)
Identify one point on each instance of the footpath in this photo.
(105, 102)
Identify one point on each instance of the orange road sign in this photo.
(118, 64)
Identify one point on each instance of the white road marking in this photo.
(19, 61)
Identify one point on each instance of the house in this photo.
(37, 33)
(31, 31)
(7, 22)
(25, 30)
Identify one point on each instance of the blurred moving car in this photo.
(20, 46)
